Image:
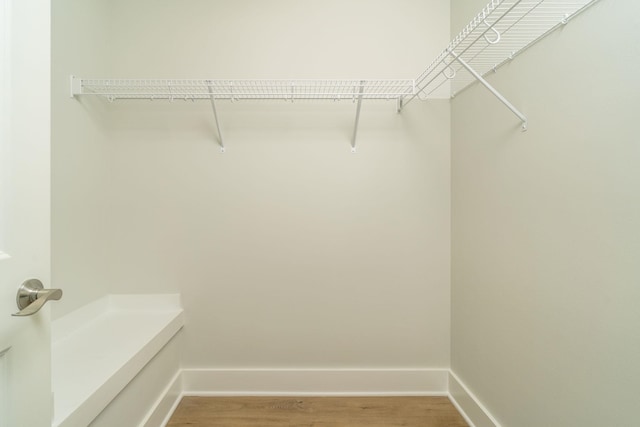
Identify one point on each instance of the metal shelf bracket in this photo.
(491, 89)
(215, 115)
(75, 86)
(355, 127)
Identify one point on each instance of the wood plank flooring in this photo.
(316, 412)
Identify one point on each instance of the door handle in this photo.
(32, 296)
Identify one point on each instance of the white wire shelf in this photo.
(501, 31)
(113, 89)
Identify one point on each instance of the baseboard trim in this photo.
(163, 408)
(319, 382)
(315, 382)
(473, 411)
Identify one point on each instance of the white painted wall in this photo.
(80, 150)
(280, 39)
(545, 239)
(288, 250)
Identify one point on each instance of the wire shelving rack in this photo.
(502, 30)
(245, 89)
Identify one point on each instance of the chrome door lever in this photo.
(32, 296)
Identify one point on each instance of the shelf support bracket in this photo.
(75, 86)
(215, 115)
(355, 127)
(491, 89)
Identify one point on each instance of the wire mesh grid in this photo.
(245, 89)
(501, 31)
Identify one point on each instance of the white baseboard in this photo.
(316, 382)
(473, 411)
(320, 382)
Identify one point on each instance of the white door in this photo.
(25, 342)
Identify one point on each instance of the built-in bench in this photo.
(98, 349)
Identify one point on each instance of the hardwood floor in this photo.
(316, 412)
